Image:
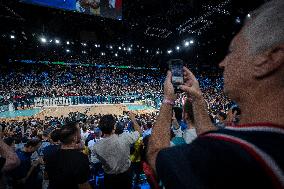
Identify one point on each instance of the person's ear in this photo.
(269, 62)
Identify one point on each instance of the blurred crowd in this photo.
(42, 137)
(21, 83)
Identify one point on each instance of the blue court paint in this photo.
(20, 113)
(138, 107)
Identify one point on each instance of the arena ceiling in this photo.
(158, 24)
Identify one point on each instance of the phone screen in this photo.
(177, 72)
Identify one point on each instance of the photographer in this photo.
(249, 155)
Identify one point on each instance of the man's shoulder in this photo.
(208, 158)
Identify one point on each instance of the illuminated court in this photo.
(58, 111)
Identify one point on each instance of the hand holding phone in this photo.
(176, 67)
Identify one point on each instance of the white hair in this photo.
(266, 28)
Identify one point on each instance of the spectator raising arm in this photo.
(161, 134)
(135, 124)
(11, 159)
(201, 117)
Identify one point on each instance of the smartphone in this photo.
(176, 67)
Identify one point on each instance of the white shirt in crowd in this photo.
(93, 157)
(147, 132)
(188, 134)
(84, 135)
(114, 152)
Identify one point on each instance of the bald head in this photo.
(266, 28)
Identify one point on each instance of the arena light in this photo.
(119, 48)
(177, 48)
(67, 42)
(147, 51)
(50, 41)
(169, 51)
(12, 36)
(116, 54)
(67, 50)
(96, 45)
(191, 41)
(103, 53)
(157, 52)
(129, 49)
(43, 40)
(57, 41)
(110, 47)
(248, 15)
(186, 43)
(84, 44)
(124, 48)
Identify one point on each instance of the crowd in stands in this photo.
(22, 82)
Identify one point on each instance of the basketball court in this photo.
(57, 111)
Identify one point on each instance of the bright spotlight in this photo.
(57, 41)
(177, 48)
(116, 54)
(169, 51)
(102, 53)
(110, 47)
(129, 49)
(67, 42)
(43, 40)
(50, 41)
(12, 36)
(147, 51)
(157, 52)
(191, 41)
(119, 48)
(186, 44)
(248, 15)
(67, 50)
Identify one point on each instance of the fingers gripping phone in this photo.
(176, 67)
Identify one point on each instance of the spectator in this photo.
(61, 170)
(147, 129)
(8, 159)
(54, 144)
(252, 152)
(114, 152)
(25, 175)
(190, 132)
